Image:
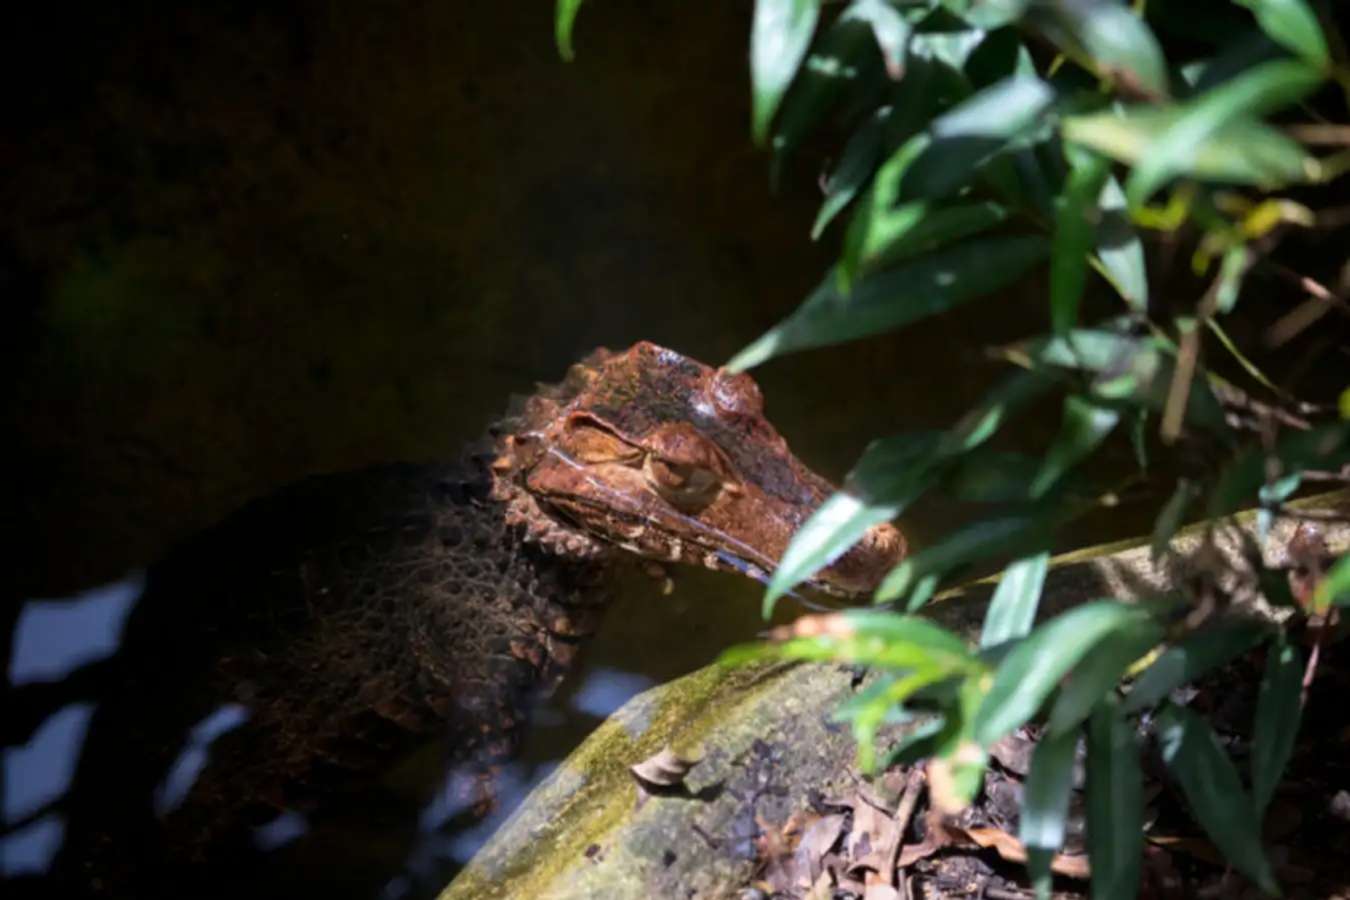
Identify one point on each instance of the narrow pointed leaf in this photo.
(1293, 24)
(855, 168)
(889, 476)
(1084, 426)
(1212, 788)
(1012, 611)
(1172, 515)
(1176, 150)
(987, 13)
(1045, 805)
(842, 63)
(939, 161)
(1199, 653)
(839, 523)
(1243, 150)
(874, 623)
(779, 35)
(1096, 677)
(1033, 668)
(1075, 215)
(564, 17)
(915, 290)
(1324, 447)
(978, 540)
(1120, 252)
(890, 29)
(1113, 42)
(1115, 806)
(1005, 400)
(923, 226)
(1278, 712)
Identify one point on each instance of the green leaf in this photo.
(1271, 496)
(990, 476)
(854, 170)
(1231, 273)
(879, 705)
(1115, 806)
(1172, 515)
(779, 35)
(1292, 24)
(1075, 212)
(1178, 148)
(1334, 588)
(1045, 805)
(1034, 667)
(1278, 711)
(987, 13)
(1097, 676)
(922, 226)
(1120, 252)
(875, 623)
(1085, 425)
(564, 16)
(1112, 41)
(1012, 611)
(940, 160)
(1195, 655)
(1010, 397)
(979, 540)
(843, 62)
(1242, 151)
(839, 523)
(890, 29)
(897, 297)
(1127, 368)
(1212, 787)
(890, 475)
(1323, 447)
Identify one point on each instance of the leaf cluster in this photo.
(986, 138)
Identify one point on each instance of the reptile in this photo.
(350, 613)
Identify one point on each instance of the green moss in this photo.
(593, 794)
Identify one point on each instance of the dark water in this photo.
(243, 244)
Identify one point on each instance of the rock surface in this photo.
(768, 744)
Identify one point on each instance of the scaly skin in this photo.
(350, 613)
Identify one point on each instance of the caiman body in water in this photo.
(349, 613)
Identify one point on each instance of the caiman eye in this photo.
(685, 486)
(588, 444)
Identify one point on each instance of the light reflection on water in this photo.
(57, 644)
(55, 637)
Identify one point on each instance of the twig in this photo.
(1337, 135)
(905, 810)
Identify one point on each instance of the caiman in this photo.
(349, 612)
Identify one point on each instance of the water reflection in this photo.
(103, 756)
(173, 790)
(53, 638)
(29, 850)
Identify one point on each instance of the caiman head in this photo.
(673, 460)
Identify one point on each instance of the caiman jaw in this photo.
(674, 461)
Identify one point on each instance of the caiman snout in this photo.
(861, 569)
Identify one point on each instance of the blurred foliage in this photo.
(976, 140)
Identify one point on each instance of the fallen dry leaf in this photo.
(818, 839)
(1011, 849)
(871, 844)
(665, 769)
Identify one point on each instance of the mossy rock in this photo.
(764, 738)
(767, 741)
